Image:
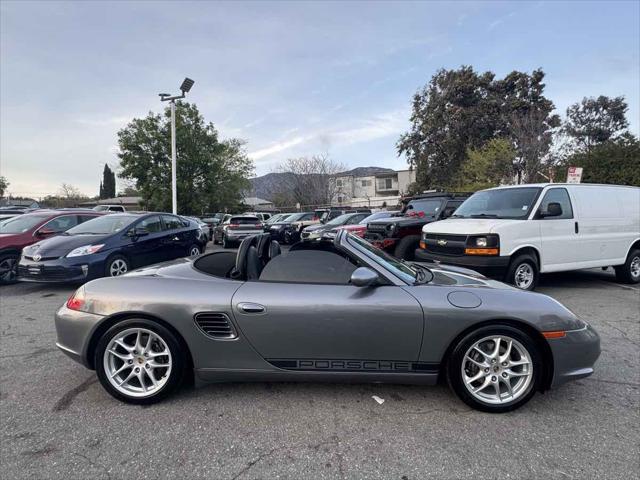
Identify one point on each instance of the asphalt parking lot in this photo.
(58, 422)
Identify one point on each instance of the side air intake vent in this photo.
(216, 325)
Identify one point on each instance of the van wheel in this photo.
(629, 272)
(523, 272)
(407, 247)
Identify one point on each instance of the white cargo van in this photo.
(515, 233)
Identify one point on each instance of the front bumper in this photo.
(74, 330)
(491, 266)
(574, 354)
(63, 269)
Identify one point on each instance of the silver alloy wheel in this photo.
(118, 267)
(137, 362)
(8, 269)
(497, 369)
(524, 275)
(194, 251)
(635, 267)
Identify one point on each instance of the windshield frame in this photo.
(399, 269)
(524, 216)
(441, 200)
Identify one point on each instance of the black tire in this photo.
(625, 273)
(178, 359)
(9, 268)
(527, 263)
(193, 247)
(110, 265)
(406, 248)
(225, 243)
(454, 365)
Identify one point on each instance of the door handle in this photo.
(577, 229)
(251, 307)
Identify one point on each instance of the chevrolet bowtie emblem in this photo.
(37, 257)
(442, 243)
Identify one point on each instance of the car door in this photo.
(308, 310)
(146, 249)
(175, 237)
(559, 236)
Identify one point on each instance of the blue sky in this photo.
(291, 78)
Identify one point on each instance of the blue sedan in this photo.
(110, 246)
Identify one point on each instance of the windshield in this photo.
(21, 224)
(295, 217)
(341, 220)
(501, 203)
(398, 267)
(376, 216)
(430, 207)
(102, 225)
(101, 208)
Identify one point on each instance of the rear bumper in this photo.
(239, 235)
(574, 355)
(74, 330)
(495, 267)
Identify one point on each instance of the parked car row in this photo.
(79, 245)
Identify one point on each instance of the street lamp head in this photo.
(186, 85)
(164, 94)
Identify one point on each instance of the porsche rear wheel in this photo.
(139, 361)
(495, 369)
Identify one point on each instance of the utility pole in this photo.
(166, 97)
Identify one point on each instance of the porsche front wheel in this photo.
(495, 369)
(139, 361)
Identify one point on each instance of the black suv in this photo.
(400, 235)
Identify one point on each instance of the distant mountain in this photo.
(262, 186)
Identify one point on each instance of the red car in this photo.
(360, 228)
(24, 230)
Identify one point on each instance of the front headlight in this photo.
(85, 250)
(481, 241)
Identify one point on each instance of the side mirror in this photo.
(364, 277)
(138, 232)
(554, 209)
(45, 232)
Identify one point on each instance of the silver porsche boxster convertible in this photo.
(337, 310)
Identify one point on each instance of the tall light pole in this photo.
(166, 97)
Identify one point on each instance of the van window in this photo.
(557, 195)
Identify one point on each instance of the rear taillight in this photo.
(76, 301)
(233, 226)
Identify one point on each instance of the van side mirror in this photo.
(554, 209)
(364, 277)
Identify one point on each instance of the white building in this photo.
(384, 188)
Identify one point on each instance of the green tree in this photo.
(4, 184)
(211, 173)
(461, 109)
(108, 183)
(487, 166)
(594, 121)
(613, 162)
